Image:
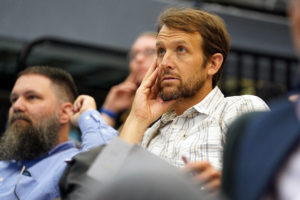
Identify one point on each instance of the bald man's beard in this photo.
(25, 141)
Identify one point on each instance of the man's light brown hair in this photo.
(211, 28)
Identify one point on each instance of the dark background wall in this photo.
(112, 26)
(116, 23)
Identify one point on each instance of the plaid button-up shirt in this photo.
(199, 133)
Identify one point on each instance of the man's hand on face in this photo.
(147, 105)
(82, 104)
(146, 108)
(205, 174)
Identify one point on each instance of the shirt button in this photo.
(87, 117)
(1, 179)
(68, 160)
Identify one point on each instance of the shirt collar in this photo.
(168, 116)
(35, 169)
(62, 147)
(206, 106)
(210, 102)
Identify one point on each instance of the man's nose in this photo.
(167, 60)
(19, 105)
(140, 57)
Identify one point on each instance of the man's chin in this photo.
(169, 94)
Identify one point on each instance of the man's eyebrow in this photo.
(28, 92)
(177, 42)
(158, 43)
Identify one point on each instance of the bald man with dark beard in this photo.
(23, 142)
(35, 148)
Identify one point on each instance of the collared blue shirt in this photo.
(39, 181)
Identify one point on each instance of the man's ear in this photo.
(66, 111)
(215, 62)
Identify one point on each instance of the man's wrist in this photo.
(108, 112)
(133, 130)
(89, 118)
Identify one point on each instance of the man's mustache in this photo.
(19, 116)
(165, 72)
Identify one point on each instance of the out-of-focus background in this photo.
(91, 38)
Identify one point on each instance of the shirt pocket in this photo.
(25, 186)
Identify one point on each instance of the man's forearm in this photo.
(109, 120)
(94, 130)
(133, 130)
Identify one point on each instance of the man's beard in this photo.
(25, 141)
(183, 90)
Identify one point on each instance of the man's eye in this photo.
(160, 51)
(13, 100)
(149, 52)
(181, 49)
(32, 97)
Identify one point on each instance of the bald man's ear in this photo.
(215, 62)
(66, 111)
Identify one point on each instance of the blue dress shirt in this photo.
(40, 177)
